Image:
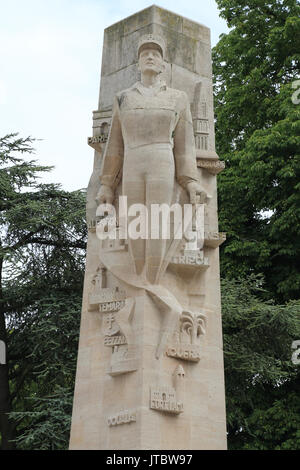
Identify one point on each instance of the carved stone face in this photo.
(150, 60)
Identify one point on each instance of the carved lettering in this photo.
(184, 351)
(111, 306)
(114, 340)
(122, 417)
(171, 406)
(213, 166)
(191, 259)
(97, 139)
(164, 399)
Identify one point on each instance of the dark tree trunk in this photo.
(7, 428)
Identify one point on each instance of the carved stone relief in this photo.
(212, 166)
(169, 399)
(119, 335)
(168, 113)
(191, 258)
(185, 343)
(122, 417)
(200, 120)
(153, 137)
(214, 239)
(123, 360)
(114, 340)
(117, 314)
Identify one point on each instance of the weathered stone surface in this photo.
(150, 361)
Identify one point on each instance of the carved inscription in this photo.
(109, 301)
(212, 166)
(97, 139)
(114, 340)
(193, 258)
(117, 334)
(122, 417)
(111, 306)
(187, 352)
(169, 399)
(164, 399)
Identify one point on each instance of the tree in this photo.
(256, 66)
(262, 383)
(43, 405)
(257, 134)
(43, 240)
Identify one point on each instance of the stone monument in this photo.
(150, 362)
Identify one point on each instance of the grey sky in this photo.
(50, 60)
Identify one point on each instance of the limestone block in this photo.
(150, 362)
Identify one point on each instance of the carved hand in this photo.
(194, 189)
(105, 195)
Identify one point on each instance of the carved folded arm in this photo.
(184, 145)
(114, 151)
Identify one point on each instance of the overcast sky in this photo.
(50, 61)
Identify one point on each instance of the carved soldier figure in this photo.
(151, 141)
(152, 306)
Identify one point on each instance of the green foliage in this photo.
(260, 53)
(48, 423)
(277, 427)
(262, 383)
(43, 238)
(257, 133)
(42, 254)
(49, 361)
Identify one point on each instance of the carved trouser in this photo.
(148, 178)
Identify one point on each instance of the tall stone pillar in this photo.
(150, 362)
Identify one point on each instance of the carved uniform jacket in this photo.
(148, 117)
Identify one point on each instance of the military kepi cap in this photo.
(152, 39)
